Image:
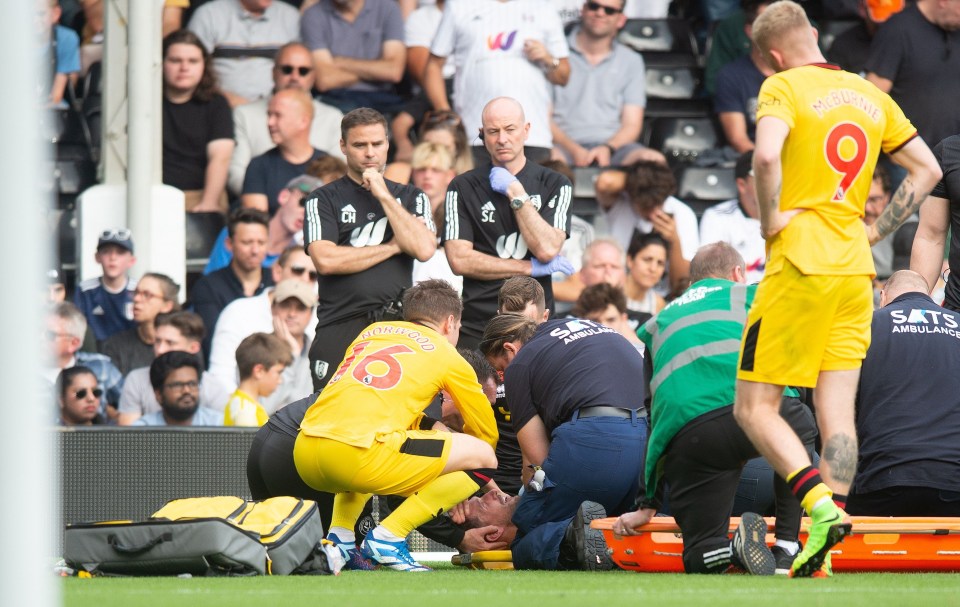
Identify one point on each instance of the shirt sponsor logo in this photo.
(487, 213)
(369, 234)
(501, 41)
(348, 214)
(578, 329)
(98, 311)
(511, 246)
(924, 321)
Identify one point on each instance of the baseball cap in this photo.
(304, 183)
(118, 236)
(744, 165)
(295, 288)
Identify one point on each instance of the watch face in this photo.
(516, 203)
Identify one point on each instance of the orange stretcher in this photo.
(877, 544)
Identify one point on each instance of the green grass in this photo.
(464, 588)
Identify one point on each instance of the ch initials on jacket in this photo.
(511, 246)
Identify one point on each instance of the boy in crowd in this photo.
(261, 359)
(107, 301)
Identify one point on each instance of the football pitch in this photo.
(455, 587)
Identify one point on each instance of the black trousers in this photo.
(905, 501)
(702, 466)
(271, 472)
(329, 346)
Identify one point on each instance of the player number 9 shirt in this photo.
(838, 123)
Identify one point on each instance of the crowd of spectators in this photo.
(254, 98)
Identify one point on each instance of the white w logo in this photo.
(512, 245)
(370, 234)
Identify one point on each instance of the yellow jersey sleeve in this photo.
(776, 99)
(899, 129)
(478, 420)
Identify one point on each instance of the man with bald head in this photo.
(292, 69)
(908, 407)
(603, 262)
(289, 115)
(506, 220)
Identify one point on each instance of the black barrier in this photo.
(111, 473)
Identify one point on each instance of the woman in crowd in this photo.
(78, 396)
(197, 125)
(646, 263)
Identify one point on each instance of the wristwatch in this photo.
(517, 203)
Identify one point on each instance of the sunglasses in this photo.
(596, 6)
(286, 70)
(82, 393)
(118, 234)
(299, 270)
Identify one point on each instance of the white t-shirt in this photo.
(484, 39)
(621, 221)
(726, 222)
(419, 30)
(241, 318)
(437, 267)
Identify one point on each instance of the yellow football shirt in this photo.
(838, 123)
(391, 373)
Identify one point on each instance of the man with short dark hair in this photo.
(175, 377)
(363, 435)
(363, 233)
(181, 331)
(506, 221)
(284, 230)
(247, 231)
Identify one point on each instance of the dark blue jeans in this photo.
(594, 459)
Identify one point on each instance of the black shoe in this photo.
(783, 559)
(750, 550)
(584, 548)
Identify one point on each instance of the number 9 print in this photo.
(849, 168)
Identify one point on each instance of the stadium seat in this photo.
(202, 230)
(683, 139)
(672, 82)
(671, 35)
(584, 179)
(702, 187)
(678, 108)
(829, 30)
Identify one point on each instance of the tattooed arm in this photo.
(923, 173)
(771, 134)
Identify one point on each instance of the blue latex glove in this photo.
(500, 179)
(557, 264)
